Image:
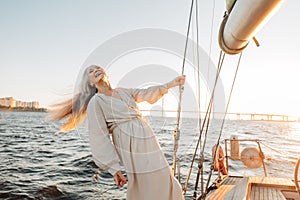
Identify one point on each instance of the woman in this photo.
(134, 143)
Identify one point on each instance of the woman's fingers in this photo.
(116, 179)
(119, 179)
(122, 179)
(181, 79)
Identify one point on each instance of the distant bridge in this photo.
(260, 116)
(236, 116)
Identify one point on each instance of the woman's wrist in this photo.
(175, 82)
(168, 86)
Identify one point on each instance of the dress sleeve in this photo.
(150, 94)
(103, 151)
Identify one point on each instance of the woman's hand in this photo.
(180, 80)
(119, 179)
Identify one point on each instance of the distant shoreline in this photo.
(21, 109)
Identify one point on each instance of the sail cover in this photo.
(243, 20)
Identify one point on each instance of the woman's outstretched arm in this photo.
(154, 93)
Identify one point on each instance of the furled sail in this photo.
(243, 19)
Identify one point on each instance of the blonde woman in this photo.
(134, 144)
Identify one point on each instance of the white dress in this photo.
(134, 143)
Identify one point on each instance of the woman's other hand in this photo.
(119, 179)
(180, 80)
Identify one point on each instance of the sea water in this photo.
(38, 163)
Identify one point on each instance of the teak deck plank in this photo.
(270, 193)
(240, 191)
(226, 186)
(272, 181)
(253, 187)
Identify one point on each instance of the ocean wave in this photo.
(38, 164)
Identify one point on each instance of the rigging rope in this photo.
(280, 153)
(205, 122)
(211, 39)
(200, 167)
(176, 130)
(201, 160)
(222, 126)
(207, 119)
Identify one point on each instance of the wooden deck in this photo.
(255, 188)
(227, 185)
(266, 193)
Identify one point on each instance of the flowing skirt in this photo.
(148, 172)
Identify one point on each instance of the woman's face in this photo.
(95, 74)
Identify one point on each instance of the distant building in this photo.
(32, 104)
(11, 102)
(20, 104)
(8, 102)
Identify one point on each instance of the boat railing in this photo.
(296, 175)
(257, 155)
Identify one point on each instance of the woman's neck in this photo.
(104, 88)
(107, 92)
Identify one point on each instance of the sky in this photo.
(44, 44)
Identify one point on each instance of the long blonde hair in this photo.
(74, 108)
